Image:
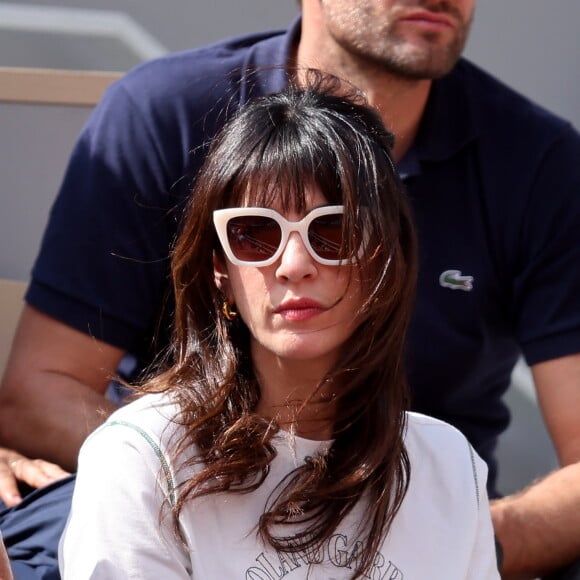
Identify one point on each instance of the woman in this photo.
(276, 440)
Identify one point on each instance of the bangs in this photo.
(285, 170)
(281, 170)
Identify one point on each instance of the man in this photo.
(5, 571)
(494, 183)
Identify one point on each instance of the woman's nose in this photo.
(296, 262)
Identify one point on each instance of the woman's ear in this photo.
(220, 276)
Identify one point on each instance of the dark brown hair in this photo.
(321, 133)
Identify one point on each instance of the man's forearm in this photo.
(539, 528)
(53, 423)
(53, 390)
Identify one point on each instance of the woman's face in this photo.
(296, 308)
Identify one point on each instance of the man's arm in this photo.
(5, 570)
(53, 392)
(539, 528)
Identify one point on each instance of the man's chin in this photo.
(422, 64)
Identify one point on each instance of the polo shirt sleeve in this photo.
(546, 288)
(102, 266)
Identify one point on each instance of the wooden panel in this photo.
(11, 303)
(54, 87)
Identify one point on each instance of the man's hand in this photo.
(34, 472)
(539, 528)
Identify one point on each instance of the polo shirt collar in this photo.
(264, 68)
(448, 123)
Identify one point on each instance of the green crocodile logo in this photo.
(454, 280)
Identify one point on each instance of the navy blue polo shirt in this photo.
(493, 180)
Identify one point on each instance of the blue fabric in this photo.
(32, 530)
(493, 180)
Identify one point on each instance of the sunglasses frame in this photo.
(222, 216)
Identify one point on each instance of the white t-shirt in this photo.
(117, 528)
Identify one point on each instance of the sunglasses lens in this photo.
(253, 238)
(325, 236)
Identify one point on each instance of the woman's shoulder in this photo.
(427, 434)
(149, 406)
(440, 452)
(153, 412)
(419, 425)
(149, 422)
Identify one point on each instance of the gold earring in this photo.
(228, 311)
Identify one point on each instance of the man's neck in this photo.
(401, 106)
(401, 102)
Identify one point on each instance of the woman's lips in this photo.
(299, 310)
